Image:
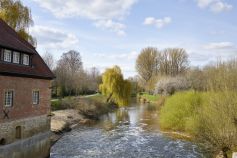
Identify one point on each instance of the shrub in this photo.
(179, 111)
(211, 117)
(217, 119)
(169, 85)
(197, 79)
(55, 105)
(65, 103)
(93, 107)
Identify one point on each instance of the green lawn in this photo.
(150, 97)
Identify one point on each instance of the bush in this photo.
(197, 79)
(217, 119)
(170, 85)
(179, 111)
(211, 117)
(93, 107)
(65, 103)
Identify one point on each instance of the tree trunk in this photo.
(108, 99)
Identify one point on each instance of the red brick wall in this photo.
(22, 101)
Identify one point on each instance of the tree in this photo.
(68, 72)
(18, 16)
(114, 87)
(147, 66)
(49, 60)
(94, 78)
(173, 62)
(197, 79)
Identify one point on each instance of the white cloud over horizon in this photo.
(126, 61)
(159, 23)
(216, 6)
(116, 27)
(219, 45)
(53, 39)
(104, 14)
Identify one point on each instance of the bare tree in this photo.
(152, 63)
(68, 69)
(49, 60)
(146, 64)
(173, 61)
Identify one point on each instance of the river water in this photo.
(131, 132)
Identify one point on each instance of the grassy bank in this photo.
(145, 97)
(91, 106)
(209, 117)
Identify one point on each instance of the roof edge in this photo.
(26, 75)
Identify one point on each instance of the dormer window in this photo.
(16, 57)
(7, 55)
(26, 59)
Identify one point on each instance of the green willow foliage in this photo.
(114, 87)
(18, 16)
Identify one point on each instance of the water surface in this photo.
(131, 132)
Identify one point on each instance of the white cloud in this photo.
(112, 26)
(219, 45)
(126, 61)
(159, 23)
(50, 38)
(121, 56)
(101, 12)
(204, 3)
(220, 7)
(215, 6)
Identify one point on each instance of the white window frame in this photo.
(16, 57)
(8, 98)
(7, 55)
(26, 59)
(35, 97)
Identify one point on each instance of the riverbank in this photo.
(63, 121)
(72, 112)
(197, 115)
(153, 99)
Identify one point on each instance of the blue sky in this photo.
(113, 32)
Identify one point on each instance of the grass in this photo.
(70, 101)
(149, 97)
(98, 97)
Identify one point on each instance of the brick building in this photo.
(24, 98)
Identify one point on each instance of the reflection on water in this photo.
(128, 132)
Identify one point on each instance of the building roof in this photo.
(9, 39)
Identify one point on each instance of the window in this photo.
(35, 97)
(8, 98)
(7, 55)
(25, 59)
(18, 132)
(16, 57)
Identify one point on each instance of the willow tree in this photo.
(18, 16)
(114, 87)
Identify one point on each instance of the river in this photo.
(131, 132)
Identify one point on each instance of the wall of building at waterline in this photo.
(37, 146)
(29, 127)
